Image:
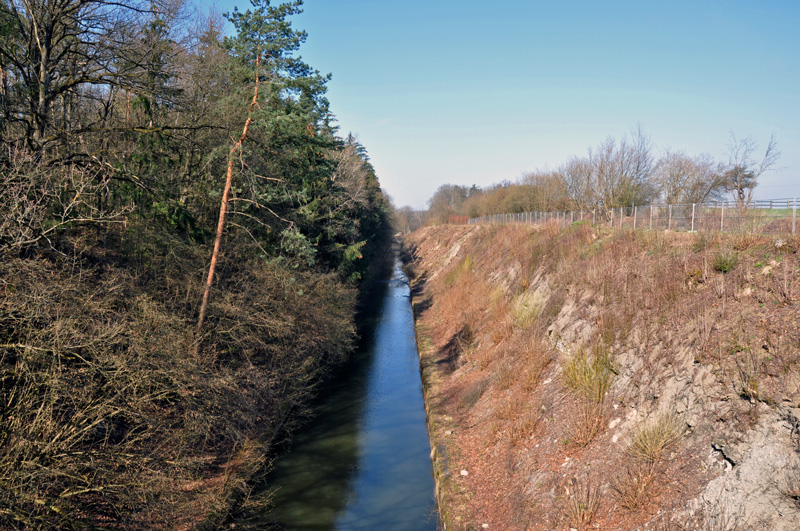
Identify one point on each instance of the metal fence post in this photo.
(612, 218)
(693, 207)
(722, 218)
(669, 217)
(634, 217)
(794, 217)
(651, 216)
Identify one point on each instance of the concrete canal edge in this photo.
(440, 426)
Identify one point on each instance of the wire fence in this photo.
(767, 216)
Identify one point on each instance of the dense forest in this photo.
(140, 388)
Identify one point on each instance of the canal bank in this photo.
(363, 461)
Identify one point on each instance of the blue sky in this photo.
(476, 92)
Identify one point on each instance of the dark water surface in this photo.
(363, 463)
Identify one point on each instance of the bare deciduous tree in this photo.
(577, 175)
(623, 173)
(743, 172)
(685, 179)
(54, 53)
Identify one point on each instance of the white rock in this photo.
(464, 473)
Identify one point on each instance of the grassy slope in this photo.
(609, 379)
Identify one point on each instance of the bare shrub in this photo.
(526, 423)
(792, 489)
(105, 406)
(748, 370)
(632, 485)
(505, 375)
(37, 202)
(587, 421)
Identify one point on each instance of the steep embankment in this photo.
(603, 379)
(113, 417)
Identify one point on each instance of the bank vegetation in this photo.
(119, 407)
(596, 378)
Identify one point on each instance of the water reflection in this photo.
(363, 463)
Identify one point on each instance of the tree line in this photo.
(614, 174)
(183, 231)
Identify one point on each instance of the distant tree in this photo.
(623, 172)
(407, 220)
(540, 191)
(577, 176)
(446, 201)
(685, 179)
(743, 171)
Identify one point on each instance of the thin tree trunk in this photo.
(224, 204)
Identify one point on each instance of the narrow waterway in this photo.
(363, 463)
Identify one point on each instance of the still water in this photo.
(363, 463)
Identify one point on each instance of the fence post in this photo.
(794, 217)
(693, 207)
(593, 216)
(634, 217)
(651, 216)
(612, 218)
(669, 218)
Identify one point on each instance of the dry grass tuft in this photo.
(725, 260)
(529, 307)
(473, 393)
(526, 424)
(582, 503)
(462, 269)
(651, 439)
(590, 376)
(536, 358)
(505, 375)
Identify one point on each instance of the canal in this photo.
(363, 462)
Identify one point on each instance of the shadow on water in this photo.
(363, 461)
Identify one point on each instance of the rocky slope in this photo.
(595, 379)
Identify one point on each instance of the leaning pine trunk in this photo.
(223, 208)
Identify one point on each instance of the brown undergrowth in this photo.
(113, 419)
(592, 378)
